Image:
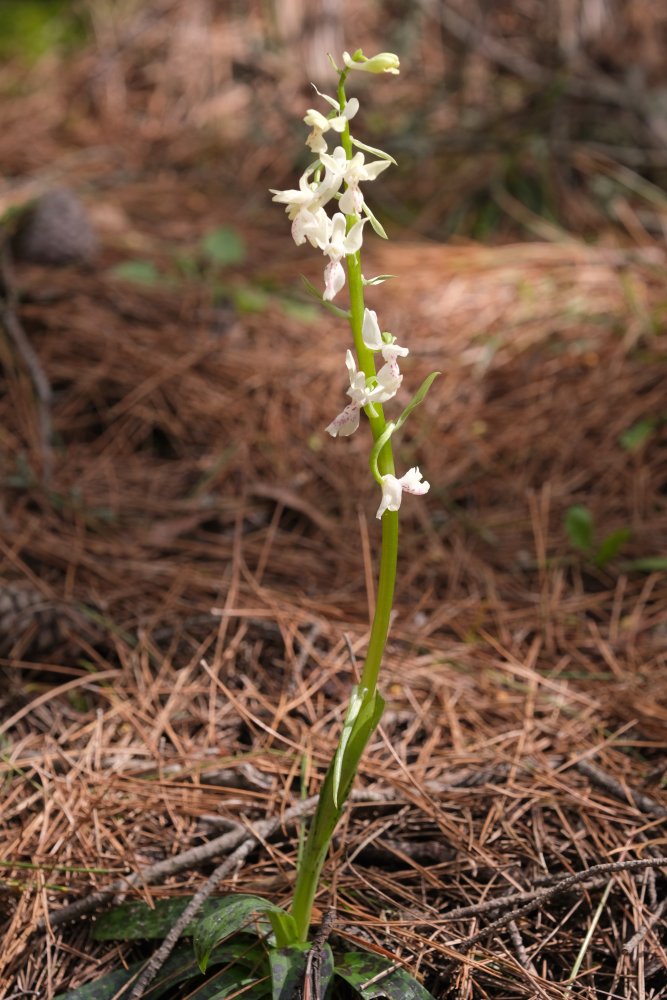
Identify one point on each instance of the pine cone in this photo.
(28, 622)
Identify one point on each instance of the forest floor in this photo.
(183, 577)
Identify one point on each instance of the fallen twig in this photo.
(620, 791)
(566, 883)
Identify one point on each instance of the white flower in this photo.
(312, 226)
(320, 124)
(372, 338)
(353, 172)
(338, 245)
(352, 201)
(294, 200)
(361, 395)
(393, 489)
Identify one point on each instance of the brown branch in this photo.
(620, 791)
(260, 832)
(156, 873)
(566, 883)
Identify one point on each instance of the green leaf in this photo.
(249, 299)
(228, 983)
(648, 564)
(284, 928)
(357, 968)
(139, 272)
(353, 709)
(179, 967)
(372, 149)
(579, 527)
(224, 246)
(379, 279)
(137, 921)
(393, 426)
(102, 989)
(290, 967)
(233, 913)
(377, 226)
(610, 546)
(312, 290)
(635, 436)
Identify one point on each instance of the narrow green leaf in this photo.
(140, 272)
(353, 709)
(357, 968)
(377, 226)
(233, 913)
(372, 149)
(579, 527)
(418, 398)
(610, 546)
(379, 279)
(224, 246)
(648, 564)
(634, 437)
(312, 290)
(393, 426)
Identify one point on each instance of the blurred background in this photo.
(508, 116)
(169, 498)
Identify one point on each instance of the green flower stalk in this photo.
(337, 176)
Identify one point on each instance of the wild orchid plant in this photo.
(246, 945)
(335, 177)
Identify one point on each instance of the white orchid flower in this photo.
(339, 244)
(320, 124)
(357, 170)
(312, 226)
(361, 395)
(393, 489)
(373, 340)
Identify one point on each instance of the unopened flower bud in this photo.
(383, 62)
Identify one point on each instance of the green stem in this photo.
(328, 812)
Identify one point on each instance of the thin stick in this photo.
(566, 883)
(610, 784)
(170, 866)
(18, 336)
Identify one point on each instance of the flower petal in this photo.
(370, 330)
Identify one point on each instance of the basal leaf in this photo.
(233, 913)
(358, 968)
(288, 966)
(137, 921)
(291, 967)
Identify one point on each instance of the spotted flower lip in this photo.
(362, 394)
(339, 244)
(393, 489)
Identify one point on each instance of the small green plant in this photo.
(246, 945)
(580, 530)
